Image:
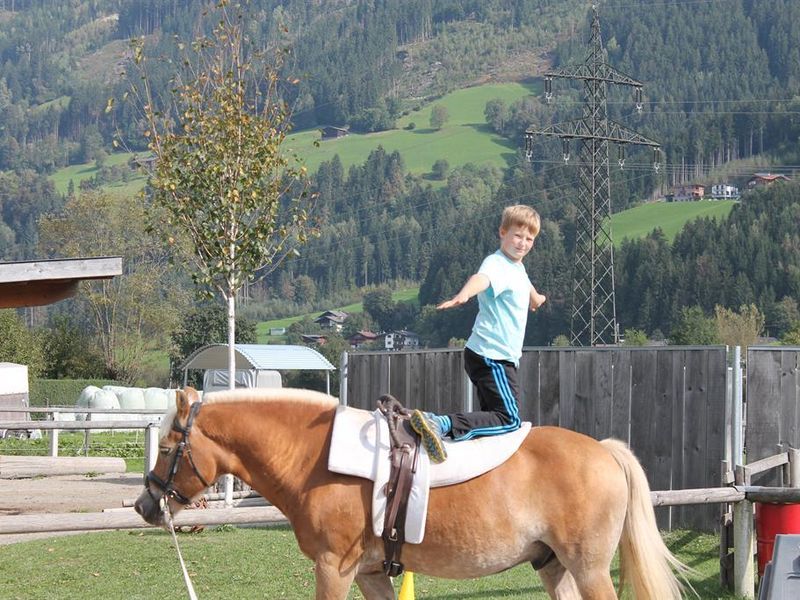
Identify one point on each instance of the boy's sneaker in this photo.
(431, 433)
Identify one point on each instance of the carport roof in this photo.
(259, 356)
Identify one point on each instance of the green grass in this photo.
(263, 327)
(464, 138)
(669, 216)
(250, 563)
(78, 173)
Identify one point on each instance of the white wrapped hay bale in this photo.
(157, 399)
(103, 399)
(131, 398)
(86, 395)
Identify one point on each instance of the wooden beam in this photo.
(77, 425)
(53, 270)
(19, 467)
(45, 523)
(35, 283)
(36, 293)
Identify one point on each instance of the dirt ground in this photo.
(64, 494)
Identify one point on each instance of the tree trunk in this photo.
(231, 298)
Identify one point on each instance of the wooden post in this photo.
(227, 481)
(150, 447)
(794, 467)
(54, 442)
(744, 548)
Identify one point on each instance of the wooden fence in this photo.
(772, 405)
(668, 403)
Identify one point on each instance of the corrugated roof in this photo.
(259, 356)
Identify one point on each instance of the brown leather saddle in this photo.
(403, 454)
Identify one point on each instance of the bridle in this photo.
(168, 486)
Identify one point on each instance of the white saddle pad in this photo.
(360, 447)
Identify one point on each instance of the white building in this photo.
(397, 340)
(723, 191)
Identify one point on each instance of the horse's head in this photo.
(179, 473)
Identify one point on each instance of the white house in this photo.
(723, 191)
(397, 340)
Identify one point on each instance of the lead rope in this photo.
(168, 514)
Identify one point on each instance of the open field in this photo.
(464, 138)
(669, 216)
(250, 563)
(78, 173)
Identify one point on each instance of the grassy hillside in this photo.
(669, 216)
(464, 138)
(262, 329)
(78, 173)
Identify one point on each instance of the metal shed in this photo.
(259, 357)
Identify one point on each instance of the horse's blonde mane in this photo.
(270, 395)
(254, 395)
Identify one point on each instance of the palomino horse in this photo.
(563, 502)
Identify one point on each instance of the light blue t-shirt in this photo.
(502, 310)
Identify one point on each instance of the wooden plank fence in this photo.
(772, 406)
(668, 403)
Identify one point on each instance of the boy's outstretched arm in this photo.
(537, 299)
(475, 284)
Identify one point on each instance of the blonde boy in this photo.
(492, 353)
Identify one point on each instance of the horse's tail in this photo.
(646, 564)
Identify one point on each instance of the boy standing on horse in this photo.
(492, 353)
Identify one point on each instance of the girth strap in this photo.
(404, 453)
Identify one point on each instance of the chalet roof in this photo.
(769, 176)
(39, 282)
(367, 335)
(259, 356)
(332, 315)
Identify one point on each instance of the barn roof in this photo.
(259, 356)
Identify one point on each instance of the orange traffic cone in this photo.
(407, 587)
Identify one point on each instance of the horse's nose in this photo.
(147, 507)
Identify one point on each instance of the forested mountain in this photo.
(722, 82)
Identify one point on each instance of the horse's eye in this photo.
(164, 450)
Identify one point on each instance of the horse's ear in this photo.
(192, 394)
(183, 400)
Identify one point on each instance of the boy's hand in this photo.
(456, 300)
(537, 300)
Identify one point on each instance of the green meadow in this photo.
(78, 173)
(669, 216)
(464, 138)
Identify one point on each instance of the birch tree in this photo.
(222, 181)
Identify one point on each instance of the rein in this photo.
(170, 491)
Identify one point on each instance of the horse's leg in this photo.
(331, 583)
(595, 584)
(375, 586)
(558, 582)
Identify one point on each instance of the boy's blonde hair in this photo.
(521, 215)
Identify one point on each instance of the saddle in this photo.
(403, 456)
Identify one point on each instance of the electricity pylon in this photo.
(594, 320)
